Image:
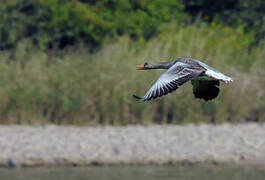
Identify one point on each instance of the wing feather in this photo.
(170, 80)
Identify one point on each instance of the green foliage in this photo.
(140, 18)
(249, 13)
(209, 9)
(83, 88)
(59, 23)
(23, 19)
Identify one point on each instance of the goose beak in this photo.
(140, 66)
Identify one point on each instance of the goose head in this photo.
(153, 65)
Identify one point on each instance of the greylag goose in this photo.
(204, 79)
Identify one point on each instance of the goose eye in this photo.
(145, 64)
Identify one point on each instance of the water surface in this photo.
(168, 172)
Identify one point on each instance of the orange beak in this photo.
(140, 66)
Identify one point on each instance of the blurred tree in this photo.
(209, 9)
(252, 15)
(249, 13)
(21, 20)
(58, 23)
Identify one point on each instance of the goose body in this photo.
(205, 79)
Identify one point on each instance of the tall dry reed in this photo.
(76, 87)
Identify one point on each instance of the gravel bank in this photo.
(43, 145)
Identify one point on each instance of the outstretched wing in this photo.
(170, 80)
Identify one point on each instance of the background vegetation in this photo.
(60, 23)
(73, 62)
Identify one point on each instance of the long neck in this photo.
(162, 65)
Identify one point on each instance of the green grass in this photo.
(76, 87)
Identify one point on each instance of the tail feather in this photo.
(218, 76)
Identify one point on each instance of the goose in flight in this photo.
(204, 79)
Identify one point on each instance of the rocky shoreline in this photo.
(70, 145)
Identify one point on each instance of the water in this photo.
(186, 172)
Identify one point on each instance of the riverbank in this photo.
(69, 145)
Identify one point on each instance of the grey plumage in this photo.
(179, 72)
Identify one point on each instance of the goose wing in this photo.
(206, 89)
(170, 80)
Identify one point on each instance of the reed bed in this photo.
(77, 87)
